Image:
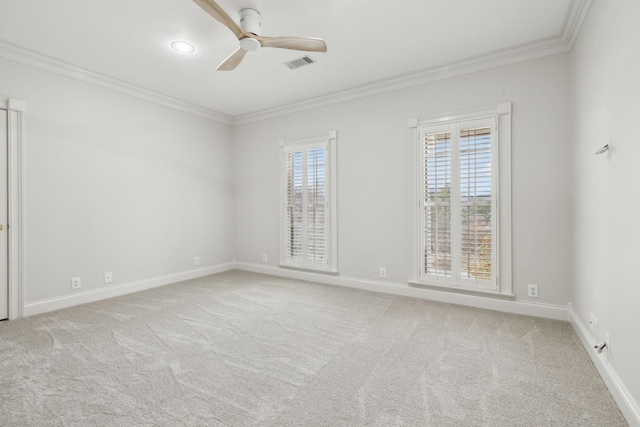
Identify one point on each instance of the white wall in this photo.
(374, 177)
(605, 97)
(114, 183)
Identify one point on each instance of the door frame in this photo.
(15, 123)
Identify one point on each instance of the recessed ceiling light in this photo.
(183, 47)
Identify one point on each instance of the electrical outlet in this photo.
(532, 291)
(196, 261)
(383, 272)
(264, 258)
(108, 277)
(76, 283)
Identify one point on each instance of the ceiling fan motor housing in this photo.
(250, 20)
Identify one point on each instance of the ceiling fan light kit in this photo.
(249, 44)
(248, 34)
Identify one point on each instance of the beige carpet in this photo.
(241, 349)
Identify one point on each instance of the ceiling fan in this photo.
(250, 39)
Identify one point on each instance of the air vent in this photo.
(299, 62)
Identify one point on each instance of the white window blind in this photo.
(307, 220)
(437, 203)
(476, 195)
(459, 210)
(294, 209)
(316, 205)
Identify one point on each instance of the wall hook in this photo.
(608, 148)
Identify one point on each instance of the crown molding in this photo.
(483, 63)
(575, 18)
(43, 62)
(563, 42)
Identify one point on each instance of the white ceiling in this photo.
(368, 41)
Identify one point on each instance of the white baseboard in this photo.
(547, 311)
(93, 295)
(628, 406)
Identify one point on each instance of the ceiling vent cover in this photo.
(297, 63)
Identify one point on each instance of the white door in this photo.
(4, 248)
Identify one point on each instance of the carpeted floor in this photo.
(241, 349)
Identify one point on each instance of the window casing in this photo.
(462, 228)
(308, 209)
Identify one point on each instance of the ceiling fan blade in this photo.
(212, 8)
(233, 60)
(309, 44)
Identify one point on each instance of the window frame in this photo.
(328, 141)
(501, 156)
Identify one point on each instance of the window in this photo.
(460, 178)
(307, 218)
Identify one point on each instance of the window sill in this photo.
(461, 289)
(309, 269)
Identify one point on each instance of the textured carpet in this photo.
(242, 349)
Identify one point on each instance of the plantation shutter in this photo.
(305, 222)
(293, 218)
(316, 205)
(458, 218)
(437, 203)
(476, 196)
